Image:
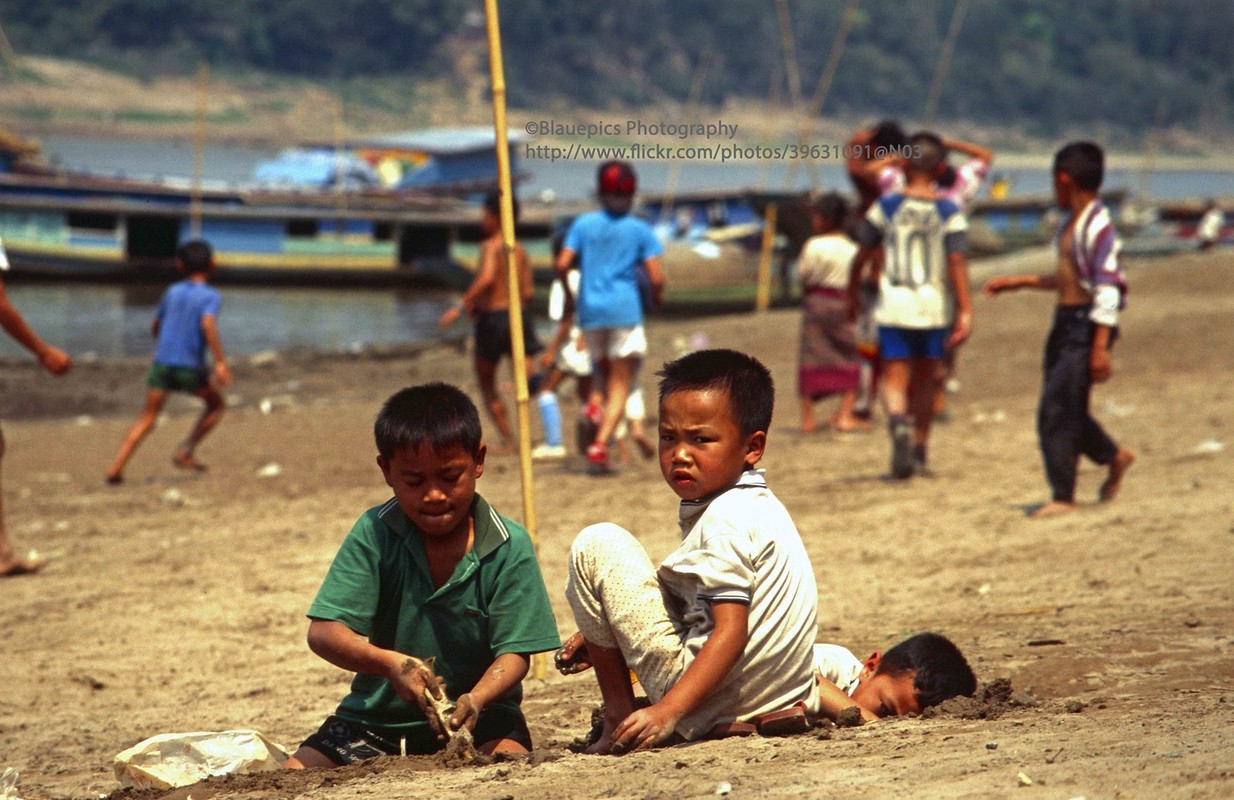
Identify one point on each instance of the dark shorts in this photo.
(176, 379)
(346, 742)
(492, 330)
(896, 343)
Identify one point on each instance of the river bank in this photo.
(68, 98)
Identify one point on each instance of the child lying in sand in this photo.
(919, 672)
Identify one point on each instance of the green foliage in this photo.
(1044, 63)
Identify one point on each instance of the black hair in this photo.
(436, 415)
(751, 392)
(833, 208)
(195, 257)
(888, 133)
(492, 204)
(926, 152)
(1084, 162)
(947, 177)
(939, 669)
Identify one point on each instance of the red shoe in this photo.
(597, 459)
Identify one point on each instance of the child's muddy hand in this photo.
(411, 677)
(466, 712)
(643, 729)
(572, 657)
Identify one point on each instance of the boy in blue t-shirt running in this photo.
(184, 326)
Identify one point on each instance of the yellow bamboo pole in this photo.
(763, 299)
(518, 354)
(199, 137)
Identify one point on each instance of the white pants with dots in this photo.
(618, 604)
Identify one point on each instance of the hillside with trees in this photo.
(1036, 64)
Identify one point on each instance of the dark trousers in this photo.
(1064, 426)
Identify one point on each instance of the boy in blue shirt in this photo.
(432, 584)
(185, 325)
(612, 247)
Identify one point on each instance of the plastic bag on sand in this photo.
(179, 759)
(8, 785)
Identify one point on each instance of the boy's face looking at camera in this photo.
(434, 486)
(884, 694)
(702, 449)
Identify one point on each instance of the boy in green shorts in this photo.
(432, 584)
(185, 325)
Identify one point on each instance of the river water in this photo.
(115, 320)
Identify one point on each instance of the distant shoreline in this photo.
(68, 98)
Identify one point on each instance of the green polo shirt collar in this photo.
(490, 533)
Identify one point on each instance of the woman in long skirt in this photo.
(829, 363)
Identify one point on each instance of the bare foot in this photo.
(29, 565)
(645, 447)
(1052, 509)
(1118, 468)
(848, 424)
(185, 460)
(604, 745)
(809, 426)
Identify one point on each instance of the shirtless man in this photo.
(487, 300)
(1091, 289)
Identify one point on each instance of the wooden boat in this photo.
(86, 226)
(1167, 228)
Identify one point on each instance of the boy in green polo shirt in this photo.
(435, 573)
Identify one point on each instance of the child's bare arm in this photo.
(210, 329)
(346, 649)
(650, 726)
(969, 149)
(863, 257)
(53, 359)
(565, 260)
(655, 275)
(957, 268)
(1099, 365)
(486, 275)
(1008, 283)
(832, 700)
(502, 675)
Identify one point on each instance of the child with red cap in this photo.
(612, 246)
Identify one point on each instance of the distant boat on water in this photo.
(321, 214)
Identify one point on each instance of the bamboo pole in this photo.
(199, 137)
(789, 47)
(7, 52)
(507, 237)
(944, 59)
(806, 131)
(763, 299)
(518, 354)
(674, 167)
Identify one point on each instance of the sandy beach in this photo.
(175, 602)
